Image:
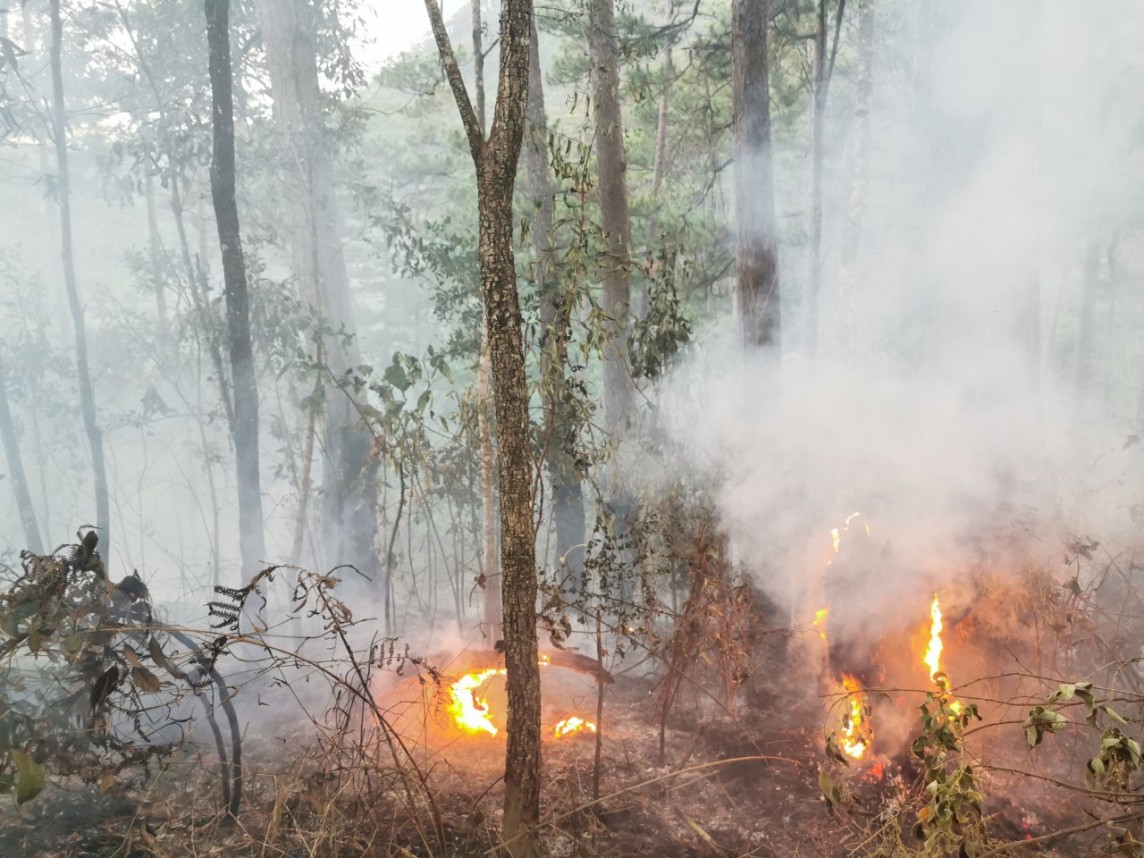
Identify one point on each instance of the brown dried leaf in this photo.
(132, 658)
(146, 680)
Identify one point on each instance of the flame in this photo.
(933, 654)
(856, 732)
(933, 651)
(573, 725)
(469, 711)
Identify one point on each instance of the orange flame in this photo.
(933, 651)
(856, 732)
(933, 654)
(469, 711)
(573, 725)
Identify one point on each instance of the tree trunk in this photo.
(16, 470)
(560, 429)
(83, 372)
(860, 158)
(496, 162)
(612, 188)
(223, 194)
(350, 509)
(491, 619)
(814, 228)
(756, 256)
(154, 245)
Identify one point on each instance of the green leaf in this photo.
(29, 776)
(395, 375)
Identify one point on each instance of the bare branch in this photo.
(456, 81)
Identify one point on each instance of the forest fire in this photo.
(573, 725)
(471, 713)
(856, 732)
(934, 650)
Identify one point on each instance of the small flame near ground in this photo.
(471, 712)
(573, 725)
(856, 732)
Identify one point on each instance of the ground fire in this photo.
(471, 713)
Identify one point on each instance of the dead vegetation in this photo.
(708, 745)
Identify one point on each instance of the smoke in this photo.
(942, 404)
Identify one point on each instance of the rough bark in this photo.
(496, 162)
(756, 255)
(560, 430)
(251, 540)
(350, 507)
(612, 189)
(16, 474)
(83, 371)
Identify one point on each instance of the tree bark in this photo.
(612, 188)
(223, 181)
(83, 372)
(756, 255)
(560, 429)
(350, 508)
(16, 470)
(496, 160)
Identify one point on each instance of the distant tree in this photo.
(560, 429)
(289, 33)
(496, 160)
(223, 181)
(825, 52)
(756, 254)
(67, 254)
(16, 474)
(615, 217)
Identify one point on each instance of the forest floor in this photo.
(743, 786)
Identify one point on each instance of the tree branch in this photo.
(456, 81)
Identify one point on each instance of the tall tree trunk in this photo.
(496, 162)
(16, 470)
(350, 508)
(223, 181)
(492, 602)
(860, 158)
(83, 372)
(658, 169)
(822, 71)
(612, 188)
(756, 255)
(560, 430)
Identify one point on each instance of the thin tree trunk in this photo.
(154, 245)
(756, 255)
(496, 162)
(560, 430)
(612, 188)
(16, 470)
(820, 84)
(350, 508)
(860, 157)
(491, 625)
(251, 540)
(83, 372)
